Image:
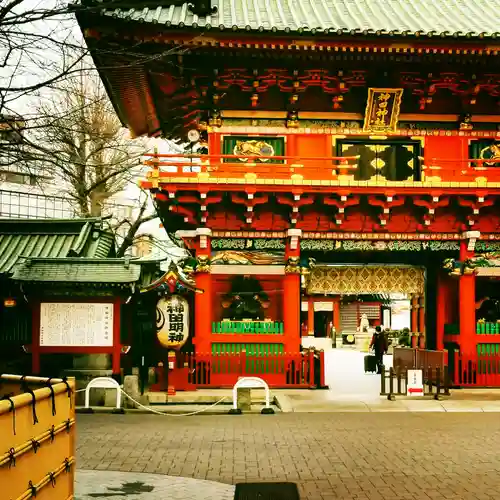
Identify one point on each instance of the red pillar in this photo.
(441, 303)
(203, 313)
(291, 294)
(414, 314)
(310, 316)
(336, 315)
(467, 306)
(291, 311)
(203, 302)
(414, 341)
(421, 320)
(292, 145)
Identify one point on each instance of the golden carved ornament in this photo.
(203, 264)
(293, 265)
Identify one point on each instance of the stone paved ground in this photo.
(350, 456)
(92, 484)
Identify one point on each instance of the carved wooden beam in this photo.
(299, 200)
(296, 202)
(249, 198)
(475, 206)
(162, 196)
(188, 198)
(343, 201)
(189, 214)
(387, 204)
(431, 204)
(207, 200)
(250, 201)
(166, 194)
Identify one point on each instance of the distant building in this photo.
(11, 128)
(35, 194)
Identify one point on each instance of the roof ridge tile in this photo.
(382, 16)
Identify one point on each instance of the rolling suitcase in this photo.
(370, 363)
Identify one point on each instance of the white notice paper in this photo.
(76, 324)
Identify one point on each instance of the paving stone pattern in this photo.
(94, 484)
(338, 455)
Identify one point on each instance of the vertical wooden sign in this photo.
(382, 110)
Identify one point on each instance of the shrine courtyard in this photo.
(329, 455)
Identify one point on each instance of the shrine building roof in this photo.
(78, 270)
(52, 238)
(444, 18)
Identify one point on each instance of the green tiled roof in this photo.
(52, 238)
(458, 18)
(78, 270)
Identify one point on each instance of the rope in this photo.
(172, 414)
(33, 404)
(12, 458)
(35, 444)
(52, 397)
(52, 479)
(52, 434)
(163, 413)
(68, 389)
(25, 388)
(32, 489)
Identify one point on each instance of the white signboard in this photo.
(415, 385)
(76, 324)
(172, 321)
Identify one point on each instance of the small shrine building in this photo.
(67, 302)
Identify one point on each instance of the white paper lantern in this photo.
(172, 321)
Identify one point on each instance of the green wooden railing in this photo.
(488, 349)
(248, 327)
(488, 328)
(253, 365)
(250, 349)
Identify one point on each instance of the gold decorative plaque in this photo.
(382, 110)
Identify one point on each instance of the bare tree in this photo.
(34, 41)
(78, 141)
(41, 45)
(41, 52)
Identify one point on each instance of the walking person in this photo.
(379, 346)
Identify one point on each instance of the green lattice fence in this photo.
(487, 328)
(248, 327)
(259, 358)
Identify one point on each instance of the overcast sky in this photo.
(38, 59)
